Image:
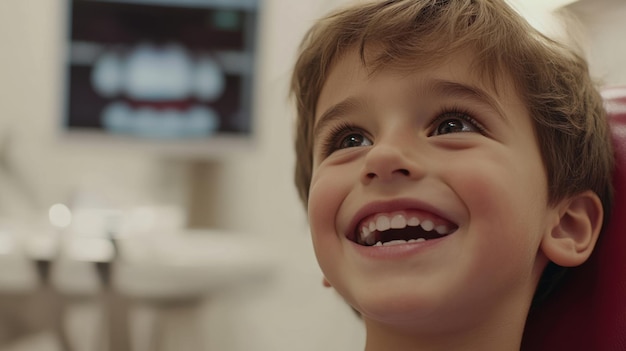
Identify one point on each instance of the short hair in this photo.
(552, 79)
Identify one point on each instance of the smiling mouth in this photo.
(400, 228)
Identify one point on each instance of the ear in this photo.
(326, 283)
(570, 241)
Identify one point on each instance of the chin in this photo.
(417, 311)
(395, 308)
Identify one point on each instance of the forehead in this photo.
(457, 74)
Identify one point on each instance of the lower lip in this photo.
(396, 252)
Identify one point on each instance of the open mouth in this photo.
(402, 227)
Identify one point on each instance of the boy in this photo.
(447, 153)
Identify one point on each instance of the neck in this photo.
(500, 331)
(496, 339)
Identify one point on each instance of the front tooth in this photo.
(382, 223)
(428, 225)
(398, 222)
(413, 221)
(441, 230)
(380, 243)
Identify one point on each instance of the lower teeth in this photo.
(399, 242)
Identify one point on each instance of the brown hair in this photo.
(551, 79)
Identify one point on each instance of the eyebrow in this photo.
(335, 112)
(464, 91)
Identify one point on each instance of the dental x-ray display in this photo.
(160, 69)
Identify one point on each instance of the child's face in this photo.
(439, 147)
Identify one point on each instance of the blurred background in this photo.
(146, 194)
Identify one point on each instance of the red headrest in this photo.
(588, 310)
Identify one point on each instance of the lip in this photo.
(391, 206)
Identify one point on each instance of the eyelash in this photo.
(343, 129)
(457, 112)
(336, 134)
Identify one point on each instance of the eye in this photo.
(345, 136)
(455, 122)
(354, 140)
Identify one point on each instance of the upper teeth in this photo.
(384, 222)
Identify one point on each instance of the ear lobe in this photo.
(571, 240)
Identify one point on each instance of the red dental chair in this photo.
(587, 312)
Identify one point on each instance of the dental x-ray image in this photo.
(160, 69)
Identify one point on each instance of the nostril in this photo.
(403, 171)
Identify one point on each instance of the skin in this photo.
(410, 148)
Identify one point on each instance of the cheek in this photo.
(325, 197)
(506, 207)
(506, 201)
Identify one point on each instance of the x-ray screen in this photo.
(160, 69)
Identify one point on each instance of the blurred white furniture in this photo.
(133, 295)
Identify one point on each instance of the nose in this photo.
(391, 161)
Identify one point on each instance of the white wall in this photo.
(603, 25)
